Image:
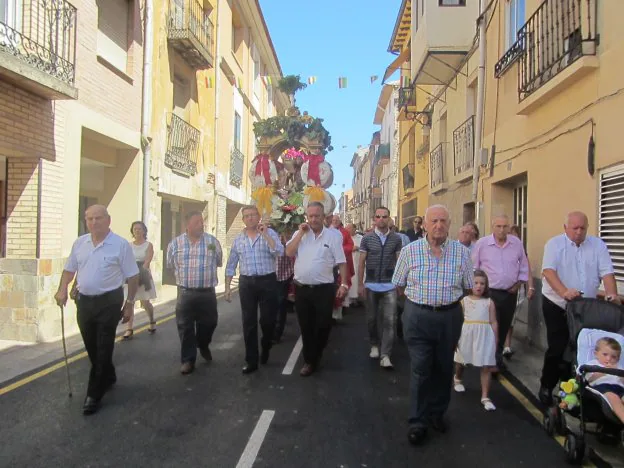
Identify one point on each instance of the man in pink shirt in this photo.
(503, 258)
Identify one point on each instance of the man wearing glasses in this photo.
(256, 250)
(379, 251)
(416, 232)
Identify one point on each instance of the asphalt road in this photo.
(351, 413)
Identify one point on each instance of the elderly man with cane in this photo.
(433, 272)
(103, 262)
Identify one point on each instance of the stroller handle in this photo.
(604, 370)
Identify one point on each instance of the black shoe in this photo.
(206, 354)
(417, 435)
(438, 424)
(264, 355)
(91, 406)
(248, 369)
(545, 396)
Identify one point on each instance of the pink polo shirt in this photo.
(505, 265)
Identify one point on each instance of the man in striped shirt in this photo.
(434, 272)
(195, 257)
(255, 250)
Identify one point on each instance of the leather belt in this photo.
(99, 296)
(196, 289)
(436, 308)
(312, 286)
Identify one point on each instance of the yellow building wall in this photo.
(545, 144)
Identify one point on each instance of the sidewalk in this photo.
(20, 358)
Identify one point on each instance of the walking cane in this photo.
(65, 349)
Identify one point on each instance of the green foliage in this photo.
(294, 129)
(290, 84)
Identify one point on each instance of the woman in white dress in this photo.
(477, 344)
(143, 253)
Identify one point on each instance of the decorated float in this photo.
(289, 171)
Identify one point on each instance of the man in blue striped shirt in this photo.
(434, 271)
(255, 250)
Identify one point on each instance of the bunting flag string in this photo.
(312, 79)
(374, 78)
(342, 82)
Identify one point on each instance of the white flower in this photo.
(300, 210)
(276, 215)
(287, 218)
(281, 202)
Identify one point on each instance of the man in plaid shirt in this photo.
(433, 272)
(255, 250)
(195, 257)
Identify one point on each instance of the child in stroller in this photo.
(608, 352)
(589, 322)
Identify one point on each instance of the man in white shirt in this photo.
(574, 265)
(103, 262)
(318, 251)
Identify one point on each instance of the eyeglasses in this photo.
(381, 216)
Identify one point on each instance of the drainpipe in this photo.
(146, 109)
(217, 69)
(476, 164)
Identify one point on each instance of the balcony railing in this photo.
(237, 167)
(42, 33)
(463, 145)
(437, 165)
(191, 32)
(182, 146)
(556, 35)
(407, 97)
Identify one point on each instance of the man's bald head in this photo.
(98, 221)
(575, 226)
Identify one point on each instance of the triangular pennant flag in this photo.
(374, 78)
(264, 80)
(405, 82)
(312, 80)
(239, 82)
(209, 82)
(342, 82)
(269, 80)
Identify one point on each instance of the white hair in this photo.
(503, 216)
(566, 221)
(438, 207)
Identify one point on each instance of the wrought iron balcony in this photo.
(437, 165)
(553, 38)
(191, 32)
(42, 34)
(237, 167)
(182, 146)
(463, 145)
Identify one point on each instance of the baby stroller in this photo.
(588, 321)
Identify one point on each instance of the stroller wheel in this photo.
(574, 449)
(550, 420)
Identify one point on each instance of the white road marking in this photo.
(292, 360)
(250, 453)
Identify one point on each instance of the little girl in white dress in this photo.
(477, 344)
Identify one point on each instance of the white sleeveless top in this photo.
(140, 251)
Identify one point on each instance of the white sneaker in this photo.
(374, 354)
(385, 363)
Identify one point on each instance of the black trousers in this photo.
(196, 318)
(283, 306)
(258, 292)
(97, 318)
(557, 336)
(431, 337)
(505, 303)
(314, 306)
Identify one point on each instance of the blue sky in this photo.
(329, 39)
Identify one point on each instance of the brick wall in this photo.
(115, 94)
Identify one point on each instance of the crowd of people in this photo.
(452, 301)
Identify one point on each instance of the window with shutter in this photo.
(112, 36)
(611, 217)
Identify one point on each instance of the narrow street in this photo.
(350, 414)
